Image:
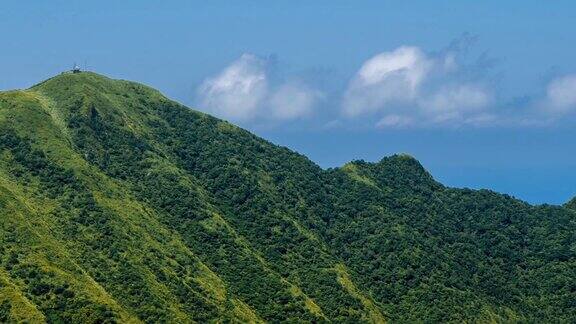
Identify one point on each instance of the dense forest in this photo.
(120, 205)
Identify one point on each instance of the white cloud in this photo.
(389, 77)
(237, 92)
(457, 97)
(405, 87)
(292, 101)
(243, 92)
(410, 87)
(561, 95)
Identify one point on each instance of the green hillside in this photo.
(120, 205)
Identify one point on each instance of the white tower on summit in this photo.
(76, 68)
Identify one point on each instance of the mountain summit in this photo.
(120, 205)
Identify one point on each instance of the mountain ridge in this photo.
(96, 76)
(141, 209)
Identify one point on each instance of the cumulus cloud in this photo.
(455, 103)
(458, 97)
(293, 100)
(561, 95)
(410, 87)
(387, 78)
(402, 88)
(244, 91)
(238, 91)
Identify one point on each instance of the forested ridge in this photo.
(120, 205)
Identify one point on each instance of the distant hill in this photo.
(120, 205)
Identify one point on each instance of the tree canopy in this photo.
(120, 205)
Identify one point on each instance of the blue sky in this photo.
(482, 93)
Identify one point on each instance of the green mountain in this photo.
(120, 205)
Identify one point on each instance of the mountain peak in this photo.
(88, 92)
(69, 84)
(69, 77)
(395, 170)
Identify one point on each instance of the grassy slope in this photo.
(134, 227)
(147, 237)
